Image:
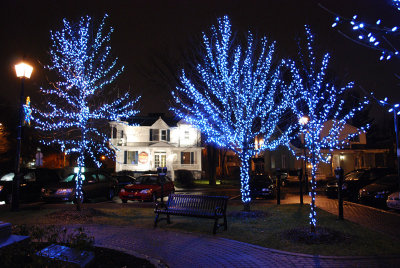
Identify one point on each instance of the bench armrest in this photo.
(218, 210)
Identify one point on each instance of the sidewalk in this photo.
(173, 249)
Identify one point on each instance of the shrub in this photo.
(184, 177)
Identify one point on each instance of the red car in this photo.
(147, 188)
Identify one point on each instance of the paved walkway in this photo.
(174, 249)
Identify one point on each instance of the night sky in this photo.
(150, 32)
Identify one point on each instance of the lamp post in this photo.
(23, 71)
(303, 121)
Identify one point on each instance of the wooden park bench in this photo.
(200, 206)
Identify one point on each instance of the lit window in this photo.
(187, 158)
(131, 157)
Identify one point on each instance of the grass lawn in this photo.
(267, 230)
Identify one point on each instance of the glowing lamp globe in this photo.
(23, 70)
(303, 120)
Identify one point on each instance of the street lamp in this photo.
(23, 71)
(304, 121)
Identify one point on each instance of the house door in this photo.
(160, 159)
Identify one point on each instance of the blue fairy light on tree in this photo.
(76, 113)
(320, 102)
(378, 37)
(374, 35)
(232, 96)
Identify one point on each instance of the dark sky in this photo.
(147, 31)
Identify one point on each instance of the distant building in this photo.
(145, 143)
(355, 155)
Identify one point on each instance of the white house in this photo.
(145, 143)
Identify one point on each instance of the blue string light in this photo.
(379, 36)
(237, 87)
(81, 57)
(320, 102)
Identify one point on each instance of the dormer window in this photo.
(159, 134)
(163, 135)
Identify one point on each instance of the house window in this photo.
(165, 133)
(187, 158)
(131, 157)
(114, 133)
(160, 159)
(355, 138)
(284, 161)
(186, 134)
(154, 134)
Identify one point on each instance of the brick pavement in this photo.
(166, 248)
(173, 249)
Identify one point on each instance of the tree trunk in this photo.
(313, 214)
(244, 181)
(211, 163)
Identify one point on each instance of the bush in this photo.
(184, 177)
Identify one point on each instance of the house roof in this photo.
(150, 119)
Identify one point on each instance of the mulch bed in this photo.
(23, 255)
(72, 215)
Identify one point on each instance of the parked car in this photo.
(289, 177)
(393, 201)
(148, 187)
(377, 192)
(354, 181)
(30, 185)
(123, 180)
(262, 186)
(95, 184)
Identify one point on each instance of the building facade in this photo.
(145, 143)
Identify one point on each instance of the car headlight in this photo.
(363, 192)
(145, 191)
(64, 191)
(122, 190)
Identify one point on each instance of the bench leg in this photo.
(215, 226)
(156, 220)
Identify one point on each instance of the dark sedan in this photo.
(262, 186)
(31, 183)
(377, 192)
(354, 181)
(95, 185)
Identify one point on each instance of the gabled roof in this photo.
(150, 119)
(161, 144)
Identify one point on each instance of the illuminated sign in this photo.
(143, 158)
